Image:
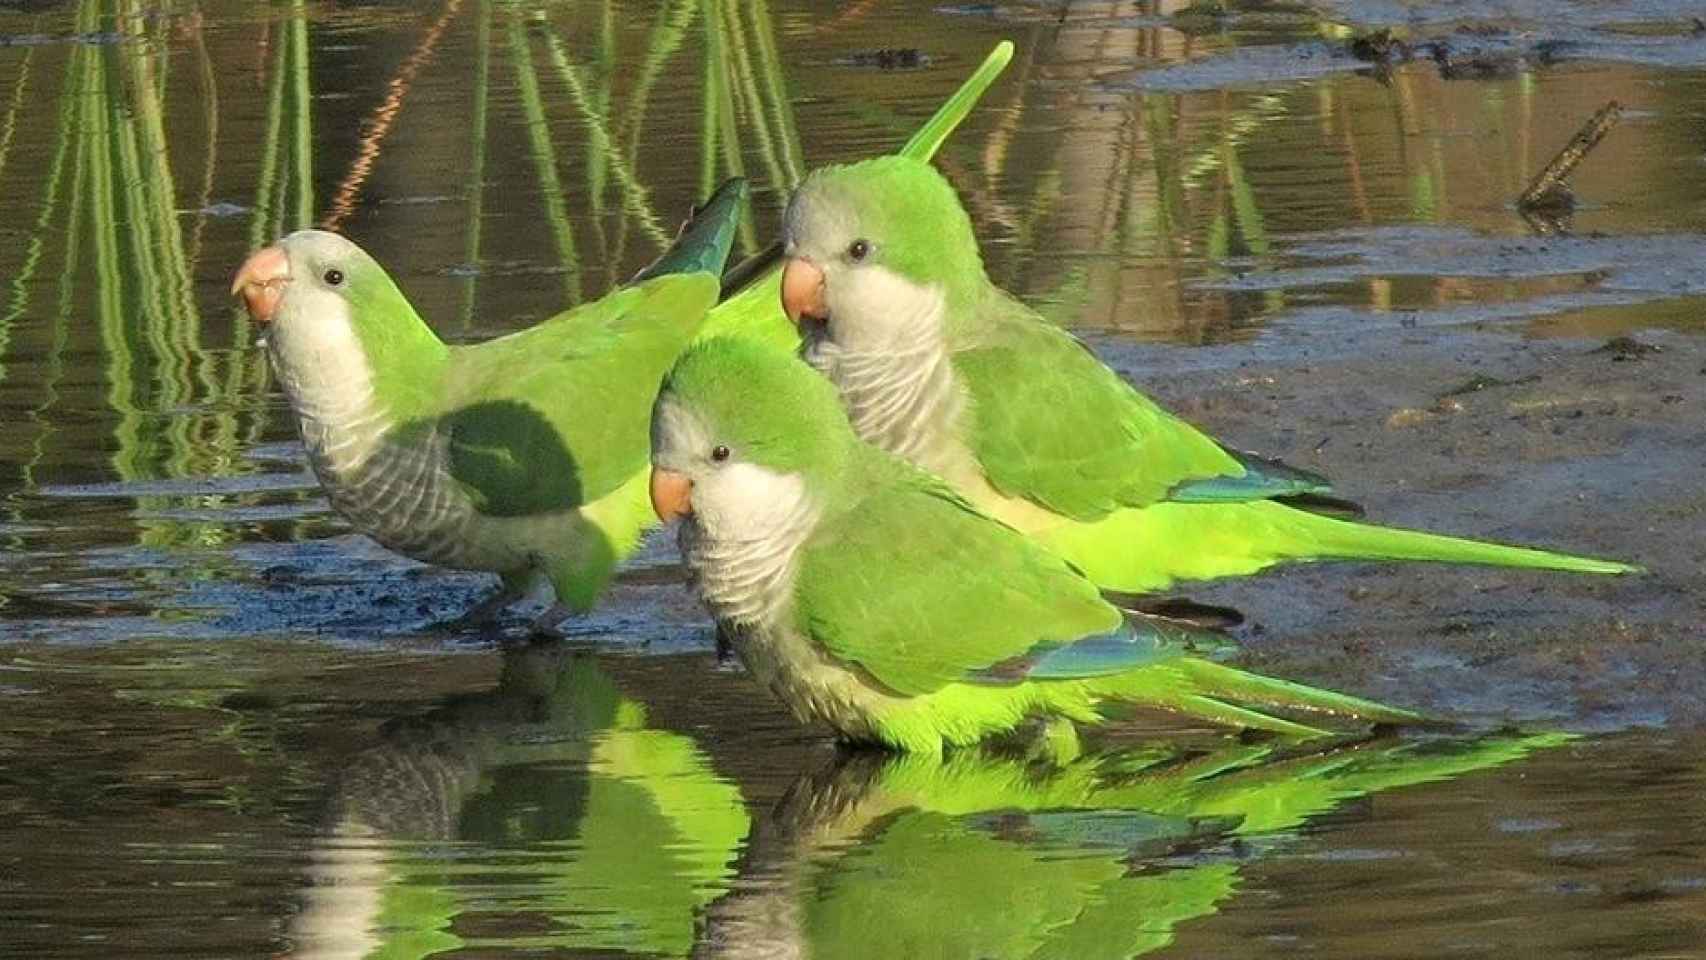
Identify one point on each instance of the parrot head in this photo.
(315, 294)
(874, 250)
(745, 439)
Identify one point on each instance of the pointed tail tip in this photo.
(707, 236)
(1332, 538)
(1568, 563)
(733, 190)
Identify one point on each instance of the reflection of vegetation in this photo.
(118, 210)
(283, 173)
(109, 220)
(743, 104)
(476, 188)
(979, 855)
(1170, 186)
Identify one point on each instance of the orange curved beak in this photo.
(672, 494)
(802, 290)
(260, 281)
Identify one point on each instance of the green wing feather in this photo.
(558, 415)
(1052, 424)
(922, 590)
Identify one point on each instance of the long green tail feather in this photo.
(1328, 537)
(1232, 715)
(1227, 695)
(1149, 549)
(929, 137)
(1224, 682)
(706, 238)
(755, 311)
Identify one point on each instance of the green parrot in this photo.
(938, 365)
(868, 595)
(523, 455)
(550, 798)
(983, 855)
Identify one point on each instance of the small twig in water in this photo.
(1547, 191)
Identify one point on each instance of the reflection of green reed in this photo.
(9, 128)
(545, 159)
(289, 101)
(1175, 191)
(743, 101)
(126, 262)
(476, 189)
(19, 299)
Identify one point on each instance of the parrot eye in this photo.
(858, 250)
(333, 278)
(720, 453)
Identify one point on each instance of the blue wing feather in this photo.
(1263, 479)
(1137, 642)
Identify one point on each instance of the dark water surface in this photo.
(225, 729)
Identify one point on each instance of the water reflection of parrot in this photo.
(549, 798)
(867, 595)
(523, 455)
(978, 855)
(938, 365)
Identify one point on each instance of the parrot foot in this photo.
(485, 613)
(550, 624)
(725, 643)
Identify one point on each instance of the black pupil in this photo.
(721, 453)
(334, 277)
(858, 250)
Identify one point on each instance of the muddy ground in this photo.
(1590, 446)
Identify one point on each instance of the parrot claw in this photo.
(483, 615)
(549, 625)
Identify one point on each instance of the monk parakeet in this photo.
(868, 595)
(520, 455)
(526, 454)
(938, 365)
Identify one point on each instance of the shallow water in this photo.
(225, 729)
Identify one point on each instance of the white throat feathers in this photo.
(885, 350)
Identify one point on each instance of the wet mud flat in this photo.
(1590, 445)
